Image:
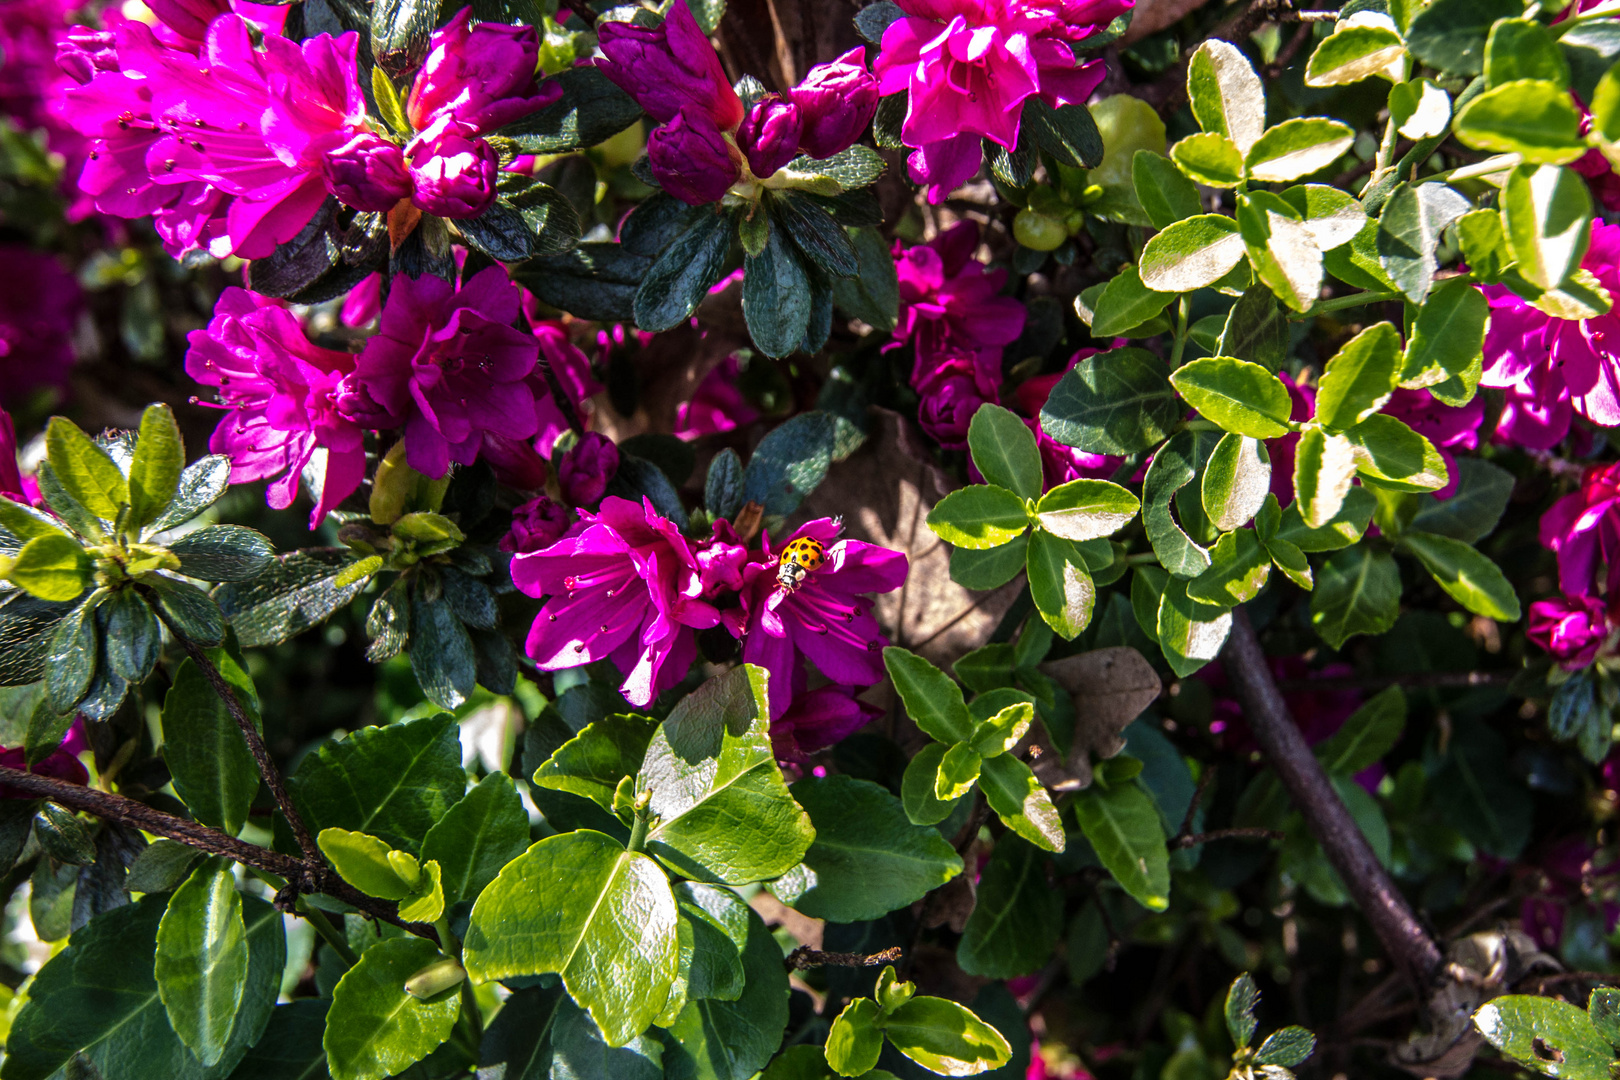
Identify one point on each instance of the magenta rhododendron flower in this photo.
(948, 405)
(818, 719)
(481, 76)
(969, 67)
(1583, 529)
(1447, 427)
(668, 67)
(11, 481)
(536, 525)
(570, 372)
(364, 303)
(716, 405)
(62, 763)
(1571, 628)
(453, 169)
(623, 585)
(769, 135)
(281, 392)
(587, 469)
(1554, 368)
(951, 307)
(39, 303)
(448, 366)
(692, 159)
(367, 173)
(1303, 407)
(836, 102)
(827, 619)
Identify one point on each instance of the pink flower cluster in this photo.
(446, 367)
(953, 313)
(1583, 530)
(230, 136)
(971, 65)
(706, 138)
(624, 584)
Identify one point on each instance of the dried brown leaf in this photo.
(1110, 688)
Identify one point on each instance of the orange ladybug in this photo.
(799, 559)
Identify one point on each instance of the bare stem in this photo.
(806, 957)
(1195, 839)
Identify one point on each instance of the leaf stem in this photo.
(329, 933)
(1339, 303)
(1182, 313)
(1499, 163)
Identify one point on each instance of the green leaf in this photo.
(480, 834)
(855, 1039)
(1060, 584)
(1237, 480)
(1324, 465)
(958, 770)
(1545, 1034)
(1341, 530)
(1241, 998)
(426, 902)
(1450, 34)
(1286, 1047)
(873, 296)
(363, 861)
(989, 569)
(1255, 330)
(917, 788)
(1124, 305)
(374, 1028)
(1359, 378)
(1391, 453)
(591, 110)
(733, 1040)
(1173, 468)
(1191, 633)
(1358, 591)
(1603, 1008)
(191, 612)
(84, 469)
(200, 486)
(131, 637)
(1420, 109)
(681, 277)
(723, 812)
(1225, 93)
(1523, 49)
(394, 782)
(814, 233)
(856, 167)
(1068, 133)
(51, 567)
(1296, 148)
(579, 905)
(1409, 232)
(1281, 248)
(1209, 159)
(1005, 452)
(1546, 213)
(776, 296)
(202, 961)
(441, 650)
(979, 517)
(1021, 802)
(592, 763)
(1238, 570)
(1370, 732)
(720, 924)
(1533, 118)
(1123, 827)
(868, 859)
(103, 984)
(790, 462)
(1016, 917)
(1447, 336)
(931, 698)
(223, 553)
(1352, 53)
(1470, 578)
(1191, 254)
(945, 1037)
(71, 658)
(1165, 194)
(1116, 402)
(297, 591)
(1471, 513)
(154, 471)
(1085, 509)
(1239, 396)
(161, 866)
(213, 771)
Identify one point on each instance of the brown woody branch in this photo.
(1404, 938)
(1193, 840)
(806, 957)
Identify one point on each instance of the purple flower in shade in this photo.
(1059, 463)
(818, 719)
(11, 481)
(827, 619)
(1583, 530)
(668, 67)
(950, 307)
(281, 394)
(62, 763)
(769, 135)
(1303, 399)
(1554, 368)
(481, 76)
(586, 470)
(722, 559)
(716, 405)
(536, 525)
(969, 66)
(623, 585)
(453, 169)
(449, 367)
(947, 407)
(570, 372)
(1447, 427)
(691, 159)
(1570, 628)
(39, 304)
(367, 173)
(837, 102)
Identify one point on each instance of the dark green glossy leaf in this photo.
(776, 296)
(1118, 402)
(681, 277)
(1017, 915)
(213, 771)
(293, 594)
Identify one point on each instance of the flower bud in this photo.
(1038, 232)
(536, 525)
(435, 979)
(1571, 628)
(453, 169)
(668, 67)
(587, 469)
(482, 76)
(769, 135)
(81, 52)
(367, 173)
(946, 411)
(691, 159)
(837, 102)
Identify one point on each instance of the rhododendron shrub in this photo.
(859, 538)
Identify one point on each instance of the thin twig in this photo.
(1225, 834)
(250, 734)
(1205, 776)
(1416, 681)
(805, 957)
